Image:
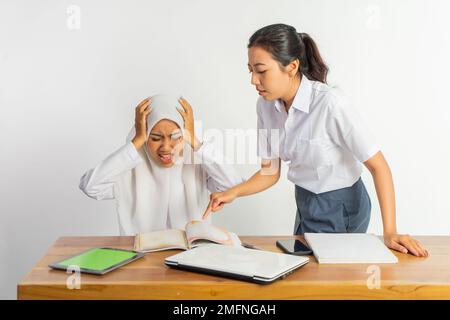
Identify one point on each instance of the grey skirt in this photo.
(339, 211)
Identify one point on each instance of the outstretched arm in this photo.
(384, 186)
(261, 180)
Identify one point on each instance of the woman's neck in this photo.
(290, 95)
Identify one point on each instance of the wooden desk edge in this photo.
(173, 290)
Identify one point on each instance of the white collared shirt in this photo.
(322, 136)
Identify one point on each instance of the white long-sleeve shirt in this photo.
(99, 182)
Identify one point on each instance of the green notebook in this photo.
(98, 260)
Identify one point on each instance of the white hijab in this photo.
(151, 197)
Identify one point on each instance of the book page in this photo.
(161, 240)
(200, 232)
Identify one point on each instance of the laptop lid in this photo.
(237, 262)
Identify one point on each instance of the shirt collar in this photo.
(302, 98)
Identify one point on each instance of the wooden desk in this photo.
(149, 278)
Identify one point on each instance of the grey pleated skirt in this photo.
(345, 210)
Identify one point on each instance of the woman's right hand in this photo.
(218, 200)
(141, 113)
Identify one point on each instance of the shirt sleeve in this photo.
(267, 139)
(220, 174)
(98, 183)
(348, 130)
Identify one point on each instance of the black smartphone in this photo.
(293, 246)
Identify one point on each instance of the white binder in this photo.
(349, 248)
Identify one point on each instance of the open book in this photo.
(196, 234)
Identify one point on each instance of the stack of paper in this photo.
(349, 248)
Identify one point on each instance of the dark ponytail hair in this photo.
(286, 45)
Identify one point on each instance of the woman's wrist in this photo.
(235, 191)
(193, 141)
(138, 142)
(196, 144)
(387, 232)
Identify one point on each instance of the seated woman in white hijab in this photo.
(152, 177)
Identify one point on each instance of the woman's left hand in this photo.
(188, 117)
(404, 243)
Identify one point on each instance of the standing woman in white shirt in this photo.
(313, 126)
(161, 176)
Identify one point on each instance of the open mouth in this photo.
(165, 158)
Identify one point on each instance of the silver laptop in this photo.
(237, 262)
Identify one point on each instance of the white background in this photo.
(67, 99)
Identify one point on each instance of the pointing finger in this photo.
(207, 211)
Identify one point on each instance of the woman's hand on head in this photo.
(188, 117)
(140, 122)
(404, 243)
(218, 199)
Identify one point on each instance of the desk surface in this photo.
(149, 278)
